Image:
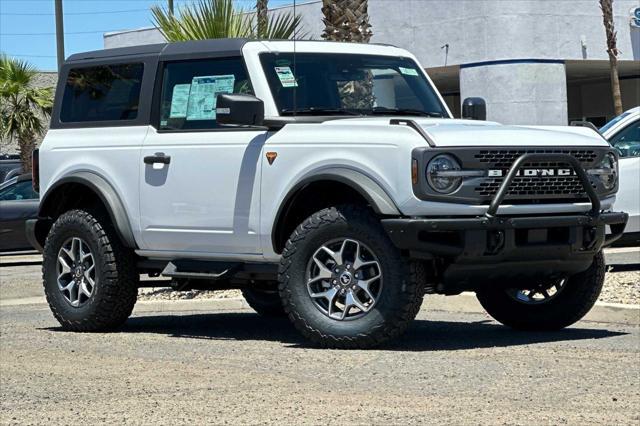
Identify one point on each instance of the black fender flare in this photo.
(107, 194)
(376, 196)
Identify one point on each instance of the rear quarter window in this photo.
(102, 93)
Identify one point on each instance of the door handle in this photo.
(158, 157)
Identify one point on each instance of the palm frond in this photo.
(24, 107)
(211, 19)
(281, 26)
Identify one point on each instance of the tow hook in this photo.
(495, 241)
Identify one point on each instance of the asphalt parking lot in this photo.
(215, 361)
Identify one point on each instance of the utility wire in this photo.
(74, 13)
(30, 56)
(66, 33)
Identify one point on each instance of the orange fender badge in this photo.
(271, 157)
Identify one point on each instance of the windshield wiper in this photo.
(405, 111)
(318, 111)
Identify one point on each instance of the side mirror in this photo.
(239, 110)
(474, 109)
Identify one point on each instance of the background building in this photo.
(535, 62)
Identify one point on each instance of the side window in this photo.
(627, 142)
(102, 93)
(20, 191)
(190, 90)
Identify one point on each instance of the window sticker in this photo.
(204, 93)
(409, 71)
(179, 100)
(286, 77)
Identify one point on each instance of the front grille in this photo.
(547, 180)
(503, 158)
(547, 186)
(535, 187)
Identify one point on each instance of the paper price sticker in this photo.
(287, 79)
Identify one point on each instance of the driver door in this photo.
(200, 183)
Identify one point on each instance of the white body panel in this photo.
(628, 199)
(207, 198)
(112, 153)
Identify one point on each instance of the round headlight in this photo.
(439, 174)
(609, 164)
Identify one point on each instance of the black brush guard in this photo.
(482, 250)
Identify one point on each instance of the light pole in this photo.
(171, 7)
(59, 33)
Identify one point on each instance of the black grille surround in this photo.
(538, 189)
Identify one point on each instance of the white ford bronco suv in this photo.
(327, 181)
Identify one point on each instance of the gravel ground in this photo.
(195, 362)
(187, 362)
(621, 287)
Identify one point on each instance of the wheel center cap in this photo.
(79, 271)
(345, 278)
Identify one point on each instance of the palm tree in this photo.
(262, 9)
(209, 19)
(346, 20)
(23, 107)
(612, 50)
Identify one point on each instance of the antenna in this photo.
(295, 69)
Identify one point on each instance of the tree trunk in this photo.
(262, 8)
(346, 20)
(615, 85)
(27, 144)
(612, 50)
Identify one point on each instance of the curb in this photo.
(616, 313)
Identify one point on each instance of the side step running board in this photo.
(199, 270)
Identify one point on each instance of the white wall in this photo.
(522, 93)
(485, 30)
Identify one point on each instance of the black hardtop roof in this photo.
(178, 50)
(186, 49)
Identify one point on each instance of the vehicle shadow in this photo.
(423, 335)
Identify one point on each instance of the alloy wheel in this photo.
(76, 272)
(344, 279)
(538, 294)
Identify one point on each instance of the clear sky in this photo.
(27, 27)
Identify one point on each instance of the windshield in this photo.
(346, 84)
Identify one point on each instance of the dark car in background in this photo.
(9, 167)
(18, 202)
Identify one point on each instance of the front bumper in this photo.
(487, 250)
(484, 250)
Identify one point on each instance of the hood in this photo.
(453, 132)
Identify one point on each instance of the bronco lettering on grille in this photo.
(532, 172)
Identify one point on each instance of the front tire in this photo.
(344, 284)
(90, 279)
(540, 309)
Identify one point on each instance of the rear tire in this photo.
(577, 296)
(322, 309)
(265, 302)
(90, 279)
